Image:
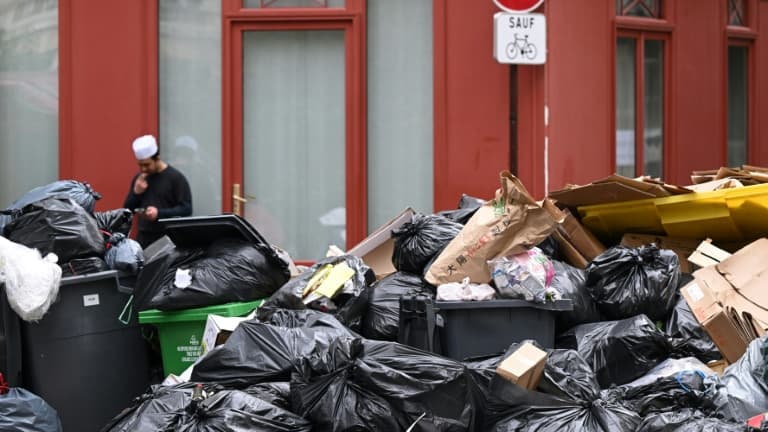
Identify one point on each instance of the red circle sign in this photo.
(518, 6)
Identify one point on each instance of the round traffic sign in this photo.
(518, 6)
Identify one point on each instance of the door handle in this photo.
(237, 200)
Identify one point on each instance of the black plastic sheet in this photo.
(349, 305)
(618, 351)
(571, 283)
(629, 281)
(228, 270)
(468, 205)
(260, 352)
(381, 321)
(57, 225)
(687, 420)
(383, 386)
(687, 336)
(418, 241)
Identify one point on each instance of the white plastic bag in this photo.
(31, 282)
(465, 290)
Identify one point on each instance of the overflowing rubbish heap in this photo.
(505, 314)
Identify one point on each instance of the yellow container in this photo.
(728, 215)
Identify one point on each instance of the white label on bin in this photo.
(90, 300)
(695, 292)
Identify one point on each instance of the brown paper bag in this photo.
(511, 223)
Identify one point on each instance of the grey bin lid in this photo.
(557, 305)
(201, 231)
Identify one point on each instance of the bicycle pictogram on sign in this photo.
(520, 46)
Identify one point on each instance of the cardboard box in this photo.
(580, 237)
(218, 328)
(614, 188)
(571, 255)
(707, 254)
(681, 246)
(524, 366)
(376, 249)
(729, 300)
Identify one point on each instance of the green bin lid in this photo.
(155, 316)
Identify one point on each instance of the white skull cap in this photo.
(144, 147)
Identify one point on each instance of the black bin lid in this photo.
(201, 231)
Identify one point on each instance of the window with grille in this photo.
(639, 8)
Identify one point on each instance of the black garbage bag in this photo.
(124, 254)
(629, 281)
(276, 393)
(673, 385)
(257, 352)
(571, 283)
(551, 248)
(689, 420)
(687, 336)
(418, 241)
(228, 270)
(618, 351)
(468, 205)
(57, 225)
(83, 266)
(173, 408)
(348, 305)
(114, 221)
(566, 400)
(745, 383)
(383, 386)
(24, 411)
(382, 319)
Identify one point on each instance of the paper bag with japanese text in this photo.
(510, 223)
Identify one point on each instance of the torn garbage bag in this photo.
(24, 411)
(745, 383)
(179, 409)
(57, 225)
(82, 266)
(383, 386)
(381, 321)
(673, 385)
(618, 351)
(687, 336)
(570, 282)
(31, 282)
(418, 241)
(337, 285)
(227, 270)
(566, 400)
(629, 281)
(258, 352)
(124, 254)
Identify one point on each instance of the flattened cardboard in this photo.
(598, 193)
(681, 246)
(568, 250)
(707, 254)
(524, 367)
(376, 249)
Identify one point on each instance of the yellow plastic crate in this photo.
(729, 215)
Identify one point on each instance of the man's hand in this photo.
(151, 213)
(140, 185)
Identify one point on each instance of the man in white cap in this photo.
(158, 191)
